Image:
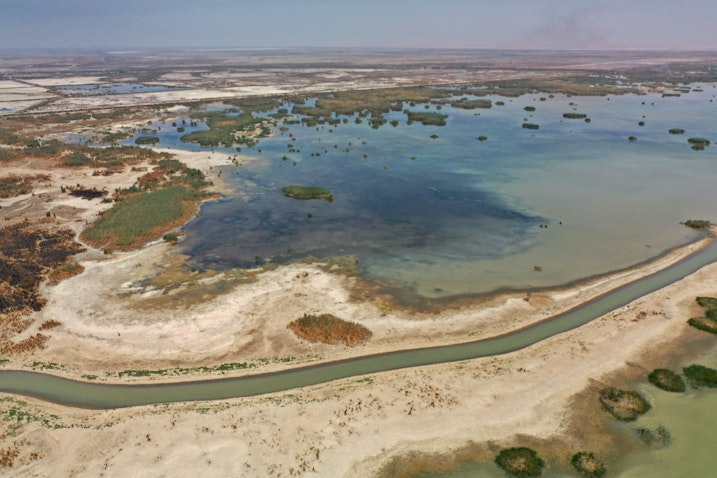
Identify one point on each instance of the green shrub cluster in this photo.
(588, 465)
(520, 462)
(700, 376)
(625, 405)
(667, 380)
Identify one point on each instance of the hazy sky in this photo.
(553, 24)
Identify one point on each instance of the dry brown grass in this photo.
(328, 329)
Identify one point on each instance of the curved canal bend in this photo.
(104, 396)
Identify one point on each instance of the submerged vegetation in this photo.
(329, 329)
(520, 462)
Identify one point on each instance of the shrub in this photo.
(329, 329)
(586, 464)
(698, 224)
(701, 376)
(520, 462)
(625, 405)
(666, 380)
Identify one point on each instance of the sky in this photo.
(504, 24)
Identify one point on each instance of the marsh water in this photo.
(434, 211)
(688, 417)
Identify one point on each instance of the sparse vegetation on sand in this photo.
(667, 380)
(329, 329)
(520, 462)
(307, 192)
(700, 376)
(625, 405)
(587, 464)
(16, 185)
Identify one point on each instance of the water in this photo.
(452, 215)
(96, 89)
(99, 395)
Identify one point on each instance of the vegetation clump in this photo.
(587, 464)
(575, 115)
(667, 380)
(427, 119)
(698, 224)
(531, 126)
(708, 322)
(698, 143)
(329, 329)
(307, 192)
(701, 376)
(467, 104)
(147, 140)
(676, 131)
(625, 405)
(482, 138)
(520, 462)
(65, 271)
(529, 108)
(660, 436)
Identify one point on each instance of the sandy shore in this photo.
(145, 310)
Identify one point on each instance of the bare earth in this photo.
(144, 310)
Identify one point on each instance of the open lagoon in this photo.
(436, 212)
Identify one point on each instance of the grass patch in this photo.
(329, 329)
(667, 380)
(520, 462)
(700, 376)
(67, 270)
(307, 192)
(587, 464)
(142, 217)
(625, 405)
(704, 324)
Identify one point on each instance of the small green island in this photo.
(307, 192)
(575, 115)
(147, 140)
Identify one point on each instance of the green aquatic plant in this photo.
(575, 115)
(520, 462)
(531, 126)
(147, 140)
(698, 224)
(676, 131)
(666, 380)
